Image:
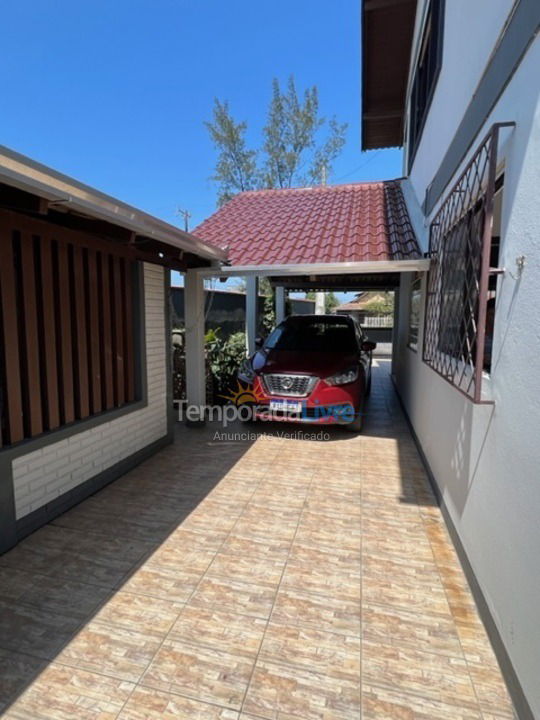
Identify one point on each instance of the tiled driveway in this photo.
(286, 579)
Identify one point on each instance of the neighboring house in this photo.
(371, 309)
(85, 383)
(457, 84)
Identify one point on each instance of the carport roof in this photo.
(355, 223)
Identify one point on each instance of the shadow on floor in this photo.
(56, 580)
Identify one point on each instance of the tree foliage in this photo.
(299, 146)
(236, 167)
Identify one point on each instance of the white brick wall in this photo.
(45, 474)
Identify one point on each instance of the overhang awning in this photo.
(339, 230)
(61, 193)
(387, 33)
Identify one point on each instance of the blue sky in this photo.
(116, 93)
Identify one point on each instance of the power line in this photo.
(362, 165)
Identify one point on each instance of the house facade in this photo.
(85, 382)
(467, 348)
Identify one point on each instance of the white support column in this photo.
(252, 292)
(280, 304)
(319, 303)
(195, 363)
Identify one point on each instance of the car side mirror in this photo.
(368, 346)
(259, 341)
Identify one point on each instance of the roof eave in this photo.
(25, 174)
(387, 32)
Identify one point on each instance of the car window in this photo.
(315, 335)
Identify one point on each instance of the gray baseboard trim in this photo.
(521, 706)
(41, 516)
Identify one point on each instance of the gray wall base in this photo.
(36, 519)
(521, 706)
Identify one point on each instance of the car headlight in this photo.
(246, 372)
(343, 378)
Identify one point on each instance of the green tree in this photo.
(299, 146)
(236, 167)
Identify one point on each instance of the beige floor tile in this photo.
(302, 609)
(113, 651)
(37, 632)
(231, 596)
(273, 550)
(383, 703)
(183, 559)
(326, 531)
(331, 559)
(237, 634)
(148, 704)
(148, 615)
(17, 672)
(330, 654)
(394, 626)
(201, 673)
(267, 523)
(280, 691)
(410, 670)
(62, 693)
(208, 539)
(490, 689)
(247, 568)
(64, 596)
(240, 531)
(406, 594)
(333, 582)
(164, 583)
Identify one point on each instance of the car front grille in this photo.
(289, 385)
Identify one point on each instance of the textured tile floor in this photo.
(277, 579)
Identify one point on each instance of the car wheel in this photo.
(368, 387)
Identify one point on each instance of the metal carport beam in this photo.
(347, 268)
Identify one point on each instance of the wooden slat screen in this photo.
(67, 348)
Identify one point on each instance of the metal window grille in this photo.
(460, 245)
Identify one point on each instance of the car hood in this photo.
(321, 364)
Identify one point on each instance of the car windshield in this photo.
(313, 335)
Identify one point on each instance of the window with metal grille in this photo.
(428, 66)
(462, 276)
(414, 311)
(67, 336)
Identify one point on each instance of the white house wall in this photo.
(45, 474)
(485, 458)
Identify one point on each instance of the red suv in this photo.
(311, 369)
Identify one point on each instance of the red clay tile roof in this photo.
(324, 224)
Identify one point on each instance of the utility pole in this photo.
(186, 215)
(323, 175)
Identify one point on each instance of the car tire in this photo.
(368, 387)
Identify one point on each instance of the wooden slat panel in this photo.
(65, 355)
(94, 334)
(32, 382)
(118, 333)
(128, 331)
(52, 413)
(106, 332)
(82, 405)
(13, 398)
(35, 226)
